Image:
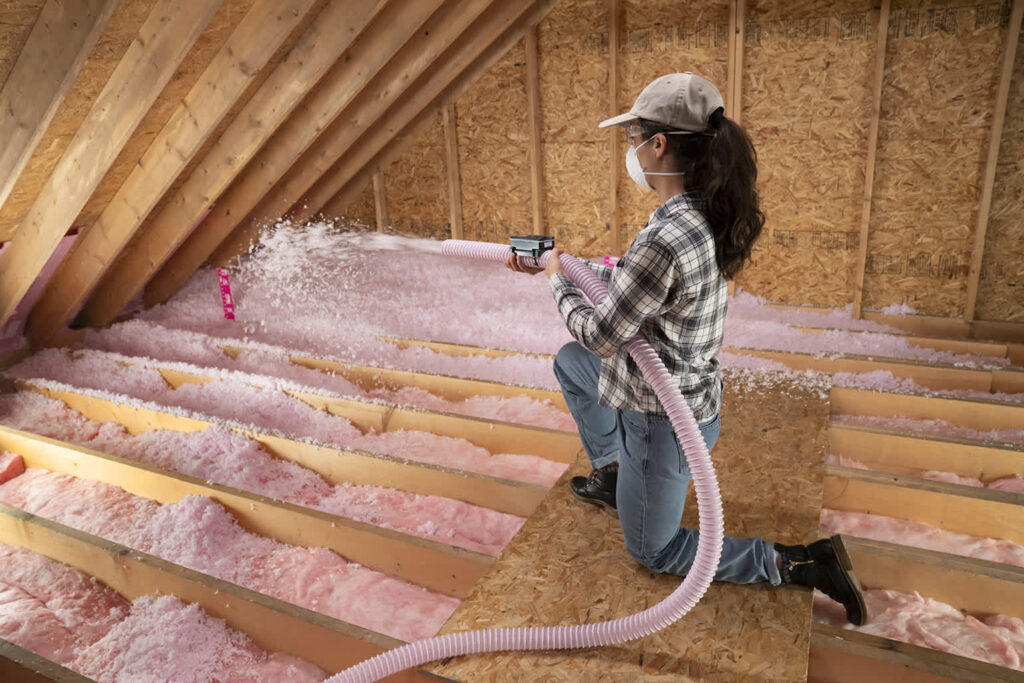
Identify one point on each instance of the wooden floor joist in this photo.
(978, 414)
(272, 624)
(18, 665)
(967, 346)
(974, 586)
(337, 466)
(911, 453)
(442, 568)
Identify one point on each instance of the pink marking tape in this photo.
(225, 294)
(611, 260)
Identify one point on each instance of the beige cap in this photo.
(681, 101)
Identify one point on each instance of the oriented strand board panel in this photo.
(416, 186)
(361, 215)
(119, 33)
(660, 37)
(942, 67)
(493, 152)
(16, 22)
(807, 75)
(1001, 288)
(198, 58)
(573, 45)
(567, 565)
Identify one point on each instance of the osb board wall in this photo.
(16, 22)
(568, 565)
(659, 37)
(942, 67)
(416, 186)
(808, 68)
(493, 152)
(573, 64)
(120, 31)
(1001, 288)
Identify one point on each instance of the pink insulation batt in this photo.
(1013, 484)
(1008, 437)
(68, 617)
(266, 407)
(997, 639)
(200, 534)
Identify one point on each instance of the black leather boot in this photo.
(825, 565)
(598, 488)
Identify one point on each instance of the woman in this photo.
(671, 285)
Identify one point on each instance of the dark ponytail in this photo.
(722, 164)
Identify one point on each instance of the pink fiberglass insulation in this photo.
(200, 534)
(1011, 484)
(68, 617)
(227, 457)
(150, 340)
(920, 535)
(751, 307)
(940, 427)
(997, 639)
(233, 399)
(883, 380)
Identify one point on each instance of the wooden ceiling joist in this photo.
(405, 49)
(401, 24)
(238, 62)
(166, 36)
(313, 54)
(61, 40)
(317, 183)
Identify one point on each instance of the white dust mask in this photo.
(636, 171)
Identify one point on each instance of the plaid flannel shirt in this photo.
(667, 286)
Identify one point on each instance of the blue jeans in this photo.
(653, 478)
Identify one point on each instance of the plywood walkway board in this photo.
(910, 454)
(953, 507)
(448, 387)
(18, 665)
(272, 624)
(337, 466)
(313, 53)
(426, 563)
(60, 42)
(568, 565)
(974, 413)
(977, 587)
(398, 22)
(163, 41)
(255, 39)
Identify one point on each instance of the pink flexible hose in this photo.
(681, 601)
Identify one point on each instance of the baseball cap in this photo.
(681, 101)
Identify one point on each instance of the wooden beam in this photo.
(380, 202)
(336, 465)
(451, 158)
(315, 51)
(18, 665)
(992, 160)
(910, 453)
(456, 350)
(255, 39)
(977, 348)
(60, 42)
(882, 32)
(272, 624)
(533, 124)
(977, 414)
(163, 41)
(388, 55)
(442, 568)
(389, 120)
(614, 134)
(740, 37)
(953, 507)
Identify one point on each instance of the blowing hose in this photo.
(681, 601)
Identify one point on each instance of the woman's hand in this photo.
(517, 263)
(554, 264)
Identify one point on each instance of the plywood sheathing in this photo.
(942, 66)
(567, 565)
(17, 20)
(1001, 287)
(660, 37)
(416, 184)
(493, 158)
(573, 42)
(120, 31)
(807, 77)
